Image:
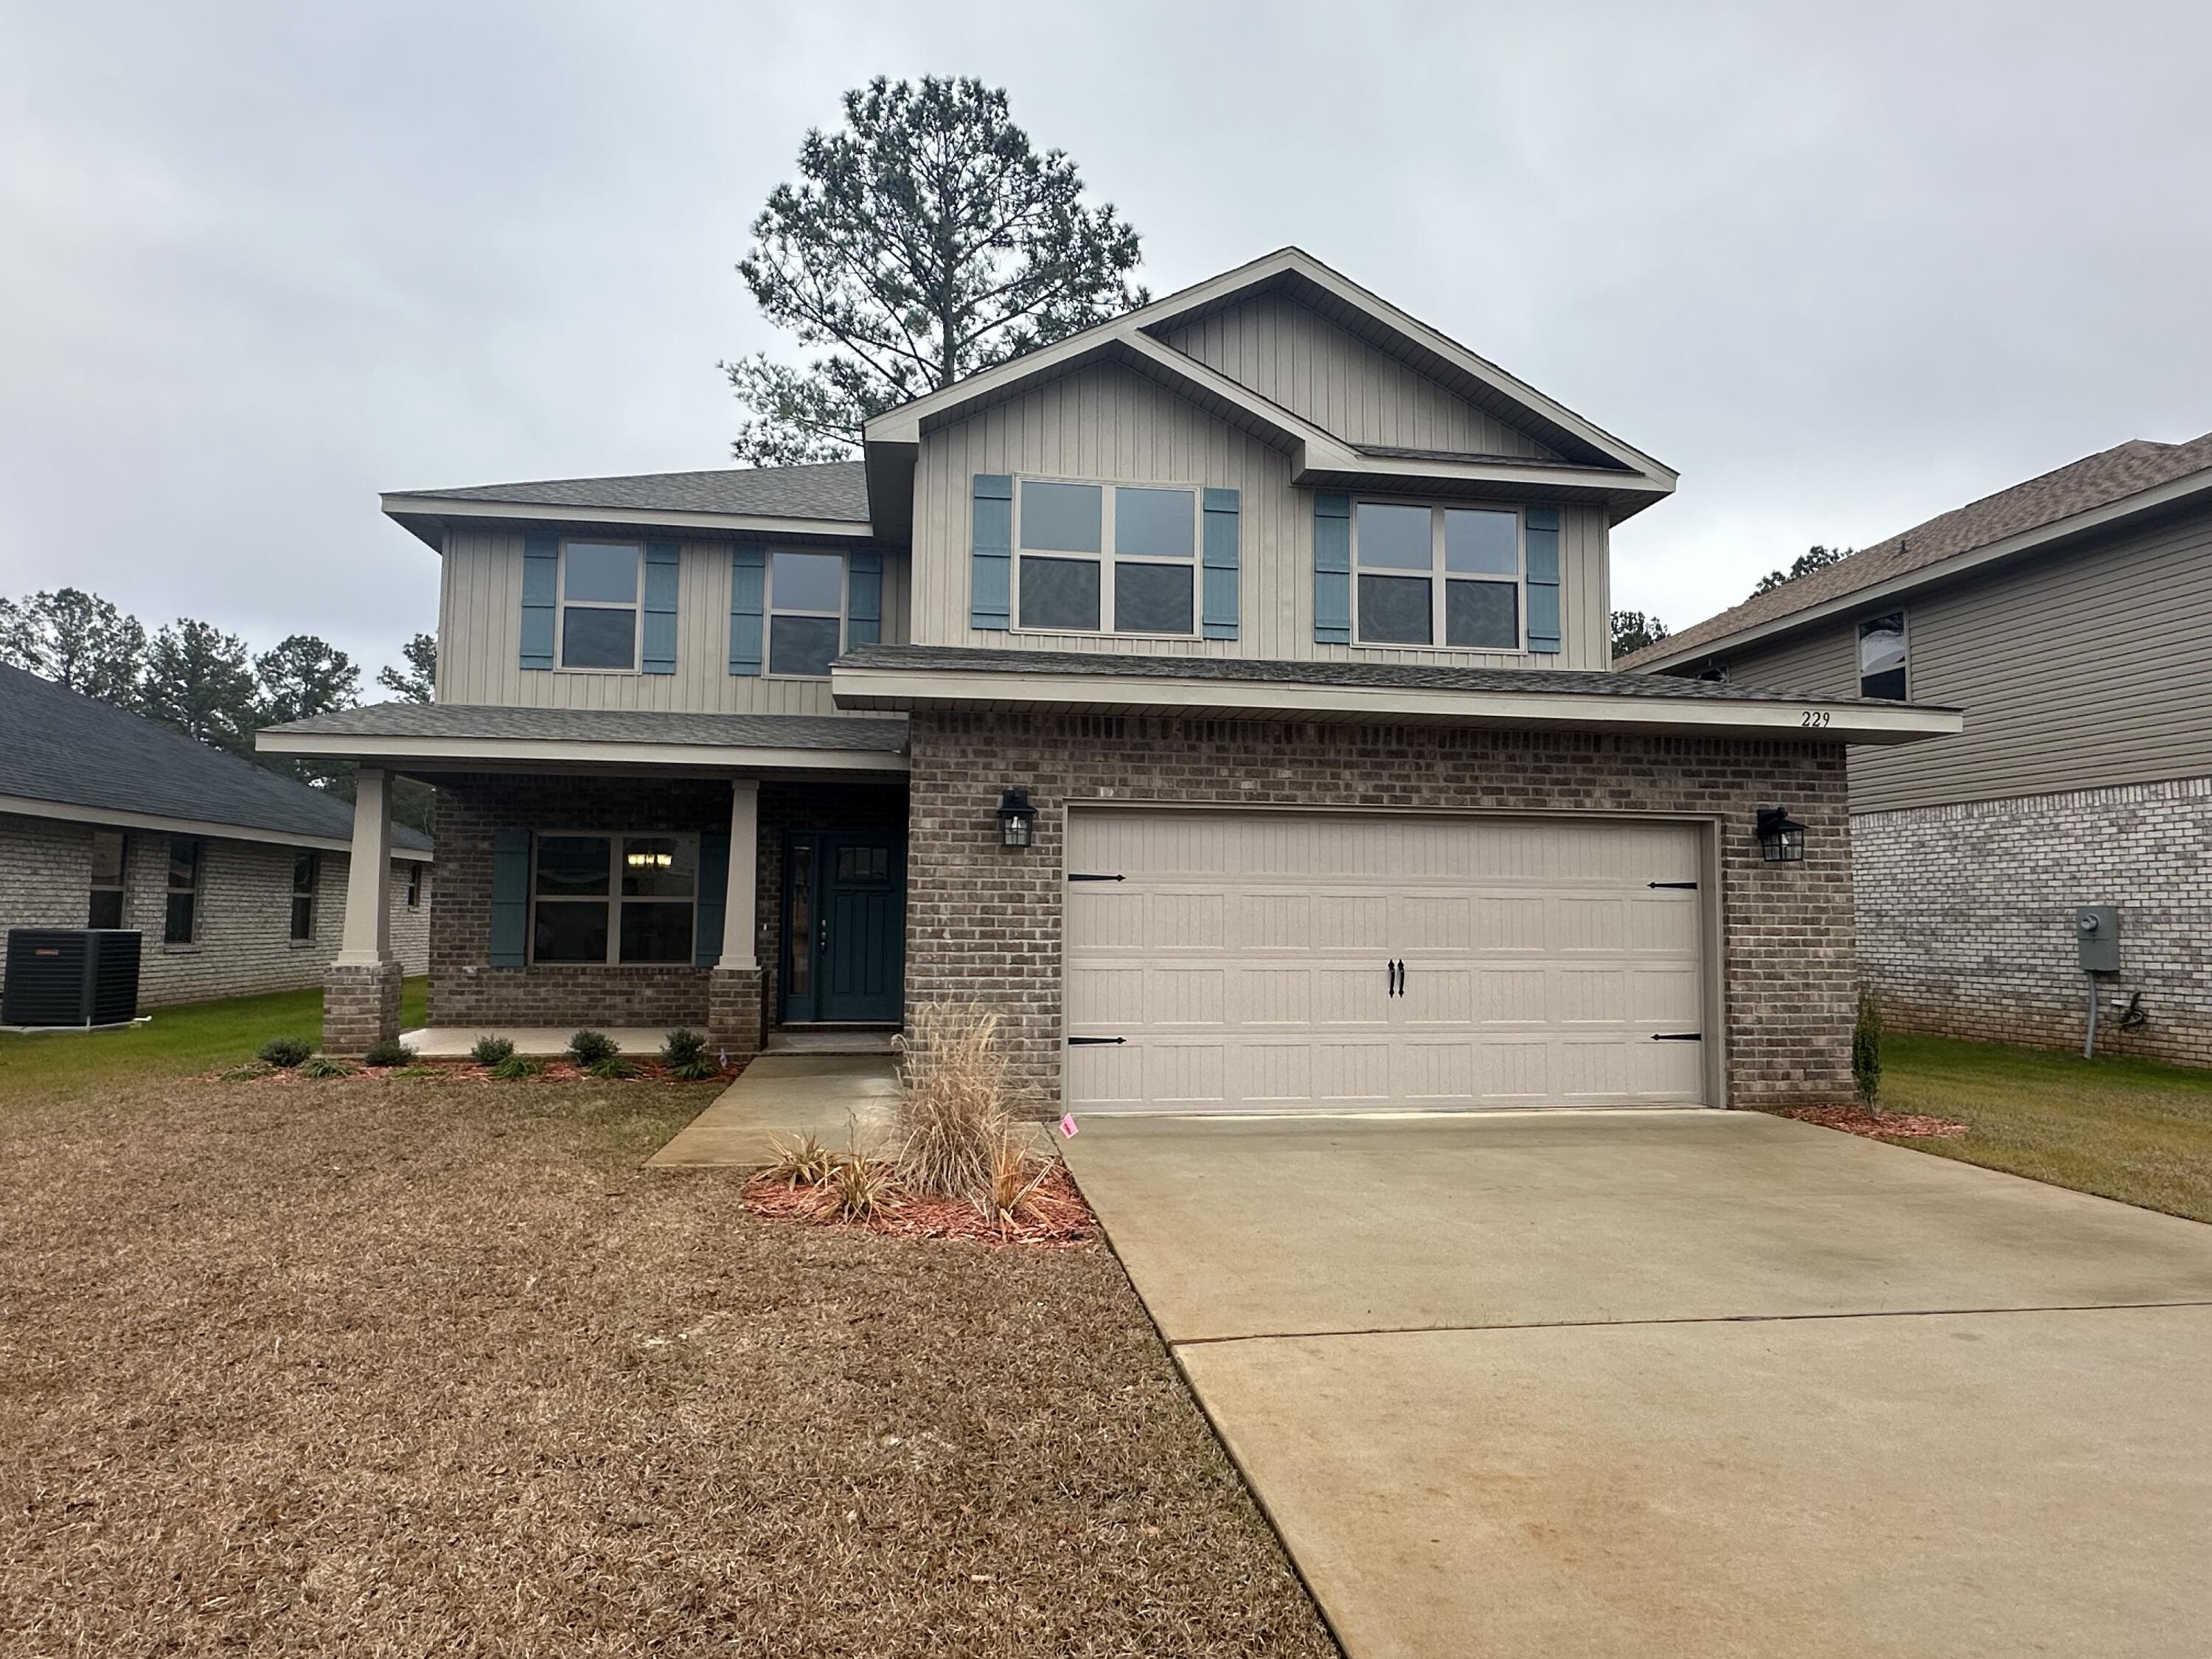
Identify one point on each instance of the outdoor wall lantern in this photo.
(1781, 837)
(1017, 819)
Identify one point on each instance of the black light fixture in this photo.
(1017, 819)
(1781, 837)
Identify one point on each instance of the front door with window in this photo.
(844, 926)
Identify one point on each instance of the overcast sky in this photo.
(1843, 267)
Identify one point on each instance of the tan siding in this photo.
(2082, 669)
(1292, 356)
(480, 635)
(1110, 424)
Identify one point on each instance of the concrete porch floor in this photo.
(536, 1041)
(840, 1099)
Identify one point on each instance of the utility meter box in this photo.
(2097, 937)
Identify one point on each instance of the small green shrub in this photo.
(286, 1051)
(513, 1069)
(588, 1048)
(388, 1051)
(1865, 1050)
(614, 1066)
(686, 1056)
(324, 1066)
(490, 1050)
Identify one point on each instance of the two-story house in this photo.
(2071, 617)
(1221, 694)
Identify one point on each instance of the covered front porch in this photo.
(752, 889)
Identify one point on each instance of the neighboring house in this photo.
(1220, 695)
(2071, 617)
(236, 876)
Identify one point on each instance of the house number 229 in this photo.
(1812, 717)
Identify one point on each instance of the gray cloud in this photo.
(1843, 267)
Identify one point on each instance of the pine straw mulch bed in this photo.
(388, 1371)
(1054, 1214)
(1889, 1125)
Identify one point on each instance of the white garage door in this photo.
(1266, 961)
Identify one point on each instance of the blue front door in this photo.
(844, 926)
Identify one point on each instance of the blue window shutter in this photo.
(1543, 524)
(864, 598)
(991, 553)
(713, 899)
(510, 897)
(1218, 548)
(541, 575)
(663, 565)
(748, 603)
(1333, 569)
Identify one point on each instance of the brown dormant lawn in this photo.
(396, 1367)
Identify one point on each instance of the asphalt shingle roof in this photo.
(827, 489)
(70, 751)
(1378, 676)
(2112, 475)
(494, 723)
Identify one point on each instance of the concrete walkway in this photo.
(1695, 1383)
(841, 1099)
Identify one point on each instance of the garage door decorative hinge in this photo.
(1086, 1042)
(1678, 1036)
(1691, 886)
(1074, 875)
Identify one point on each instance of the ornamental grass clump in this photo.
(958, 1137)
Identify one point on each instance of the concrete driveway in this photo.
(1696, 1382)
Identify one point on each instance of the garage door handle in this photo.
(1678, 1036)
(1077, 875)
(1074, 1042)
(1689, 886)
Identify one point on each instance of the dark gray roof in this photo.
(1377, 676)
(2111, 475)
(71, 751)
(828, 490)
(494, 723)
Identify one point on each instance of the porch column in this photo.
(361, 989)
(735, 1008)
(740, 919)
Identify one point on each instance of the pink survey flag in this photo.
(1068, 1125)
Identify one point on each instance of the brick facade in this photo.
(361, 1007)
(984, 922)
(1966, 915)
(735, 1008)
(244, 941)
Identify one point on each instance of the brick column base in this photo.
(733, 1011)
(361, 1004)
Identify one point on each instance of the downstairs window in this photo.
(614, 899)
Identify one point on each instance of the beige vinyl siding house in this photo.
(2078, 643)
(1282, 604)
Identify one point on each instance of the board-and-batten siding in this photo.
(2078, 669)
(1108, 424)
(479, 638)
(1292, 356)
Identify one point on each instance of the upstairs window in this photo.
(1431, 575)
(306, 875)
(599, 605)
(187, 857)
(1117, 558)
(805, 611)
(107, 869)
(1882, 657)
(614, 898)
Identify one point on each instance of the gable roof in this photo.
(2082, 495)
(827, 498)
(67, 750)
(1595, 464)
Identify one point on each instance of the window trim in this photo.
(771, 610)
(561, 602)
(191, 892)
(312, 862)
(612, 899)
(1106, 558)
(1903, 669)
(120, 886)
(1439, 577)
